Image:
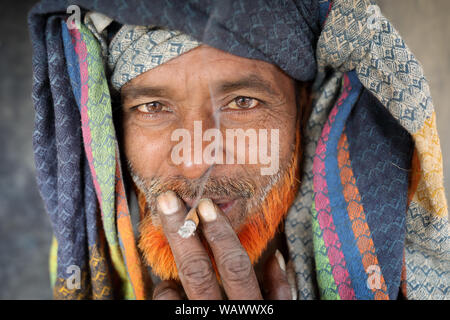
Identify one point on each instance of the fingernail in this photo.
(280, 259)
(168, 202)
(207, 210)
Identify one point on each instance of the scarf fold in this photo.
(371, 217)
(360, 212)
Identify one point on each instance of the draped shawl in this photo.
(370, 220)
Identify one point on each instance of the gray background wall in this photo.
(25, 232)
(425, 27)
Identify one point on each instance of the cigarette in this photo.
(190, 224)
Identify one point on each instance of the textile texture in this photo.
(370, 220)
(137, 49)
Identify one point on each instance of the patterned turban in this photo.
(136, 49)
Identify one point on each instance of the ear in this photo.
(304, 102)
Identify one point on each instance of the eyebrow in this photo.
(133, 92)
(251, 82)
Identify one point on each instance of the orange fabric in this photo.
(136, 270)
(430, 193)
(357, 217)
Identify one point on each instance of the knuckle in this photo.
(171, 230)
(164, 292)
(197, 273)
(236, 266)
(219, 233)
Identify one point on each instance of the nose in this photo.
(188, 151)
(191, 170)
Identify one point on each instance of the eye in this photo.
(152, 107)
(242, 103)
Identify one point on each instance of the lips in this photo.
(224, 204)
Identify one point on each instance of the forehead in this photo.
(209, 65)
(207, 56)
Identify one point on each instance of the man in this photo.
(209, 119)
(225, 92)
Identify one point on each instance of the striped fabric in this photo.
(371, 210)
(99, 139)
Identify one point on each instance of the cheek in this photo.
(288, 132)
(146, 150)
(281, 138)
(287, 140)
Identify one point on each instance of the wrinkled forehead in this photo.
(136, 50)
(214, 69)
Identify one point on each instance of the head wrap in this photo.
(370, 220)
(136, 49)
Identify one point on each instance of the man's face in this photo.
(203, 89)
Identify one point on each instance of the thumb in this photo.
(167, 290)
(276, 285)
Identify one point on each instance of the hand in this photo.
(195, 270)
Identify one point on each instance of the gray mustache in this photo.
(213, 187)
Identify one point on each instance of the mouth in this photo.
(224, 204)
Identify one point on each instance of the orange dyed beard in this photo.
(258, 229)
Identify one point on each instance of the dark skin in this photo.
(206, 84)
(197, 275)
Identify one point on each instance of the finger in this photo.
(276, 285)
(167, 290)
(234, 266)
(290, 274)
(193, 264)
